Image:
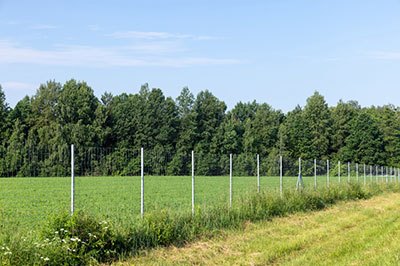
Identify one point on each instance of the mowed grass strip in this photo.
(353, 233)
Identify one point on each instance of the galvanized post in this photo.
(72, 179)
(141, 183)
(357, 171)
(280, 176)
(193, 183)
(382, 173)
(327, 173)
(339, 171)
(348, 172)
(299, 166)
(391, 174)
(370, 173)
(386, 176)
(258, 173)
(299, 183)
(315, 174)
(365, 175)
(376, 173)
(230, 180)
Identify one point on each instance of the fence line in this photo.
(299, 183)
(85, 161)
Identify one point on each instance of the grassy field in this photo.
(25, 203)
(354, 233)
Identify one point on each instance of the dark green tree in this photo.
(4, 110)
(209, 113)
(343, 115)
(365, 142)
(387, 118)
(292, 138)
(181, 162)
(318, 128)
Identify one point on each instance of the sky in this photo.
(273, 51)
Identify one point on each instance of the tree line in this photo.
(35, 135)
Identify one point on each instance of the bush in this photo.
(78, 240)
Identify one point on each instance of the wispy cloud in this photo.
(13, 22)
(42, 27)
(97, 56)
(383, 55)
(156, 35)
(18, 86)
(93, 27)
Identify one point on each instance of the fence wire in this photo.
(36, 182)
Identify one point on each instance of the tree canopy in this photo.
(169, 129)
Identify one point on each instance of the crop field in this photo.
(25, 203)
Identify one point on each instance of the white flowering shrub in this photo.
(78, 240)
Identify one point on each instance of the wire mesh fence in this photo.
(111, 182)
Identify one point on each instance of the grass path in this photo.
(353, 233)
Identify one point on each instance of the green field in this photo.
(363, 232)
(25, 203)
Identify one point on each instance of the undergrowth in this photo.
(84, 240)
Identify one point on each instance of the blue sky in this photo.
(277, 52)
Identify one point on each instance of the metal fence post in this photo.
(72, 179)
(193, 183)
(370, 173)
(327, 173)
(348, 172)
(141, 183)
(299, 183)
(386, 175)
(357, 171)
(339, 171)
(258, 173)
(391, 174)
(365, 175)
(315, 174)
(376, 173)
(280, 176)
(230, 180)
(382, 174)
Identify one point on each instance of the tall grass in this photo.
(82, 239)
